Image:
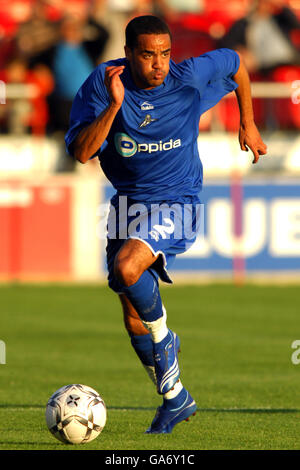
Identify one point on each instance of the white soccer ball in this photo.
(75, 414)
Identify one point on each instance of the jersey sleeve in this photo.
(211, 74)
(89, 102)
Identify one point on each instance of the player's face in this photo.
(149, 61)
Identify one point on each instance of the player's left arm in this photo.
(249, 135)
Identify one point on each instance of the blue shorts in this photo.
(167, 228)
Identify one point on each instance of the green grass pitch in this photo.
(235, 361)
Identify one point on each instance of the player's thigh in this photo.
(133, 258)
(132, 320)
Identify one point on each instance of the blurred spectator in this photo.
(72, 60)
(21, 115)
(41, 77)
(7, 50)
(116, 14)
(36, 37)
(172, 9)
(264, 36)
(95, 37)
(56, 55)
(71, 64)
(70, 47)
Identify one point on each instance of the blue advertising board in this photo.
(269, 237)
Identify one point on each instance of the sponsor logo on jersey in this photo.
(159, 146)
(146, 106)
(148, 119)
(127, 147)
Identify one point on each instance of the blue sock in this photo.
(176, 401)
(143, 347)
(145, 297)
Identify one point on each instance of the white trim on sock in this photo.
(158, 329)
(174, 391)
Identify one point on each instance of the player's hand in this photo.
(250, 138)
(114, 84)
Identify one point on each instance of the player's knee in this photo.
(126, 271)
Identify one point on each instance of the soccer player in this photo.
(140, 116)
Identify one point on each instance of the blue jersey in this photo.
(151, 151)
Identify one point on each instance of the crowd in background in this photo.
(55, 44)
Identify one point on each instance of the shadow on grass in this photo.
(39, 446)
(140, 408)
(216, 410)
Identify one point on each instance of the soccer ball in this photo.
(75, 414)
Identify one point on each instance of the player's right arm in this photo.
(91, 137)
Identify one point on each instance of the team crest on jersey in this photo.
(146, 106)
(148, 119)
